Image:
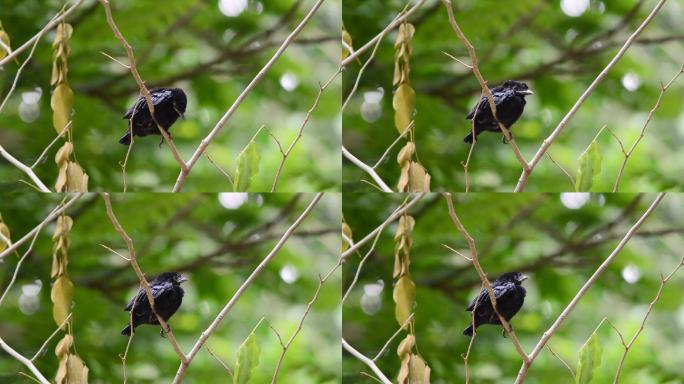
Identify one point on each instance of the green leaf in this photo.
(589, 167)
(247, 360)
(589, 360)
(247, 167)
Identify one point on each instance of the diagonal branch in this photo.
(370, 363)
(599, 78)
(522, 374)
(366, 168)
(37, 36)
(248, 282)
(53, 215)
(250, 87)
(24, 168)
(28, 363)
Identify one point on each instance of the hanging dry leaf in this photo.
(406, 153)
(4, 230)
(63, 153)
(404, 104)
(62, 178)
(77, 371)
(419, 179)
(62, 296)
(61, 102)
(346, 231)
(77, 180)
(346, 39)
(64, 345)
(419, 371)
(404, 296)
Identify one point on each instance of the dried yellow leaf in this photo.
(62, 178)
(346, 231)
(406, 153)
(4, 229)
(64, 345)
(404, 296)
(77, 179)
(419, 179)
(62, 296)
(419, 371)
(61, 102)
(404, 103)
(77, 371)
(63, 153)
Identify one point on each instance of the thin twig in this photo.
(524, 176)
(389, 341)
(387, 151)
(180, 181)
(628, 346)
(25, 169)
(245, 285)
(522, 374)
(56, 331)
(300, 132)
(663, 89)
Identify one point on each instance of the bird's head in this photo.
(518, 87)
(180, 101)
(173, 277)
(514, 277)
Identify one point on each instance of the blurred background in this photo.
(557, 240)
(216, 241)
(210, 48)
(558, 48)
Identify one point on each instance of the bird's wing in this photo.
(483, 298)
(141, 105)
(140, 299)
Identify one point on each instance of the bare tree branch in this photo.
(28, 363)
(370, 363)
(53, 215)
(366, 168)
(566, 119)
(522, 374)
(248, 282)
(245, 92)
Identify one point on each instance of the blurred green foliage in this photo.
(217, 248)
(559, 248)
(558, 56)
(192, 45)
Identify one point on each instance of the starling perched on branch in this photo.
(509, 295)
(509, 99)
(169, 104)
(167, 294)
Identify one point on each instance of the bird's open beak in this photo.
(526, 92)
(183, 279)
(523, 278)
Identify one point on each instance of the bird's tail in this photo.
(468, 139)
(126, 331)
(126, 139)
(468, 331)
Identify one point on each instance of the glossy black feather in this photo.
(509, 99)
(169, 105)
(167, 294)
(510, 296)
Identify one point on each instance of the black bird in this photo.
(169, 104)
(509, 295)
(167, 294)
(509, 99)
